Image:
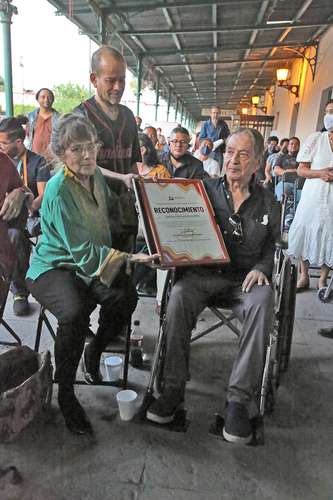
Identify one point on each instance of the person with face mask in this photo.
(203, 154)
(310, 235)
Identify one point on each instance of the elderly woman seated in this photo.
(74, 263)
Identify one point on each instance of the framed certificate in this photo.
(178, 222)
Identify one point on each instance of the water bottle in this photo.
(136, 359)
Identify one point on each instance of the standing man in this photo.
(116, 129)
(215, 129)
(41, 122)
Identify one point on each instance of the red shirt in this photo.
(42, 134)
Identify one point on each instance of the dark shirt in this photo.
(9, 180)
(221, 131)
(286, 162)
(260, 216)
(191, 168)
(37, 170)
(120, 147)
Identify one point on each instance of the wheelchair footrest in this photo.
(179, 424)
(216, 429)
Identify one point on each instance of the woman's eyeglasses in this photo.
(80, 149)
(236, 222)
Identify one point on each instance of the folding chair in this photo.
(4, 290)
(111, 348)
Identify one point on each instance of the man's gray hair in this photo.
(71, 128)
(102, 51)
(255, 137)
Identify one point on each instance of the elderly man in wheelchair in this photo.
(249, 219)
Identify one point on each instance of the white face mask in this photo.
(328, 121)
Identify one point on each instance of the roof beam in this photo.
(220, 29)
(285, 33)
(158, 4)
(210, 50)
(232, 61)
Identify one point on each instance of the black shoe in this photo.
(162, 411)
(21, 305)
(237, 426)
(326, 332)
(75, 417)
(90, 365)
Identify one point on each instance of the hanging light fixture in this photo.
(255, 100)
(282, 76)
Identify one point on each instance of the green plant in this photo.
(69, 95)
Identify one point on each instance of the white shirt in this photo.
(211, 166)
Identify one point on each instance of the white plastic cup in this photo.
(127, 404)
(113, 366)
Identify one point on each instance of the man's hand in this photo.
(12, 204)
(252, 278)
(127, 179)
(268, 179)
(326, 174)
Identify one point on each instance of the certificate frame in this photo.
(188, 247)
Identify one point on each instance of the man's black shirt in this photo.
(191, 167)
(260, 216)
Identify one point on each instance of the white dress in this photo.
(311, 233)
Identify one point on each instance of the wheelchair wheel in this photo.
(286, 315)
(322, 292)
(159, 379)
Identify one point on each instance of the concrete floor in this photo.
(134, 461)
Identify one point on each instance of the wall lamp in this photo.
(255, 101)
(282, 76)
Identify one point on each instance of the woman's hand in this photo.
(143, 258)
(326, 174)
(128, 178)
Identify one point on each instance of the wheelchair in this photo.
(289, 201)
(279, 342)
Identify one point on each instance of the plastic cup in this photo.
(113, 366)
(127, 404)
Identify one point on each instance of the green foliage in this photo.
(2, 83)
(23, 109)
(134, 86)
(68, 96)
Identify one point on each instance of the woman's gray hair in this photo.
(71, 128)
(255, 137)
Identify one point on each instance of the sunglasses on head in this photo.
(236, 222)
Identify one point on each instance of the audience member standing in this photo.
(41, 122)
(311, 233)
(116, 129)
(215, 129)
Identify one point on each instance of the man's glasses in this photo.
(181, 143)
(236, 222)
(80, 149)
